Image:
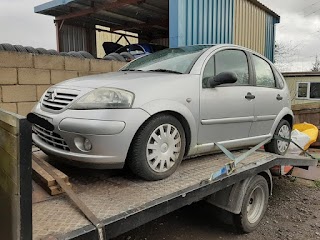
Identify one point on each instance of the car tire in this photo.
(20, 48)
(86, 55)
(109, 58)
(153, 163)
(277, 146)
(127, 56)
(254, 205)
(8, 47)
(31, 50)
(118, 57)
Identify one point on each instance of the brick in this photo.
(8, 76)
(11, 107)
(41, 89)
(117, 65)
(14, 59)
(19, 93)
(49, 62)
(25, 107)
(33, 76)
(59, 75)
(100, 66)
(77, 64)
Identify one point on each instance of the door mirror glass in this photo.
(223, 78)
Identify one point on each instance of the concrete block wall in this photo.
(24, 77)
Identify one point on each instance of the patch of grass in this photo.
(317, 184)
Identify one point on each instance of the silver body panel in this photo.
(220, 114)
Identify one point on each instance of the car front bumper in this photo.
(110, 131)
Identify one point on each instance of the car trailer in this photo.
(122, 202)
(105, 204)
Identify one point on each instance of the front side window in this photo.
(233, 61)
(264, 73)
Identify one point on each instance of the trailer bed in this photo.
(123, 202)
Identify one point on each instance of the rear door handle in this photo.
(279, 98)
(250, 96)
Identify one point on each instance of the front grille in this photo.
(51, 138)
(58, 99)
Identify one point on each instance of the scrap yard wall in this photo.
(24, 77)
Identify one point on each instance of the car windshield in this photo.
(172, 60)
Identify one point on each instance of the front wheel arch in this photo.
(180, 118)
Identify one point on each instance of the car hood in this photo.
(116, 79)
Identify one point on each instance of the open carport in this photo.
(170, 22)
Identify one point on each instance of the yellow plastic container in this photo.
(311, 130)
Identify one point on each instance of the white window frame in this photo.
(308, 92)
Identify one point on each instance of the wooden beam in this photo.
(91, 10)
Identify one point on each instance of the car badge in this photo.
(52, 96)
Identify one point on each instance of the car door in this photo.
(269, 97)
(226, 111)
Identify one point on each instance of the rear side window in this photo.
(233, 61)
(264, 73)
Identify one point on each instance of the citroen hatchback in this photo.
(164, 107)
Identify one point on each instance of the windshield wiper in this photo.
(165, 71)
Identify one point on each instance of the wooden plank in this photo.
(9, 118)
(9, 128)
(8, 185)
(9, 165)
(9, 142)
(44, 179)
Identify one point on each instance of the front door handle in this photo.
(250, 96)
(279, 98)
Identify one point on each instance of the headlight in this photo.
(103, 98)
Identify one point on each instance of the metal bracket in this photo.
(230, 167)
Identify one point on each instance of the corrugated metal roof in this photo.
(146, 11)
(133, 15)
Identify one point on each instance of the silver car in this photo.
(164, 107)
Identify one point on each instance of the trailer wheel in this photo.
(277, 146)
(158, 148)
(254, 205)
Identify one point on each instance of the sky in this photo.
(297, 35)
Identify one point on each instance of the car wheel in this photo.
(254, 205)
(278, 146)
(158, 148)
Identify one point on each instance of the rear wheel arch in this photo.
(289, 118)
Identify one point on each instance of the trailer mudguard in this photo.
(231, 198)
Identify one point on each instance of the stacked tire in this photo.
(122, 57)
(42, 51)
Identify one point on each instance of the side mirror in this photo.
(222, 78)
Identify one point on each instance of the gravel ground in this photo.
(293, 213)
